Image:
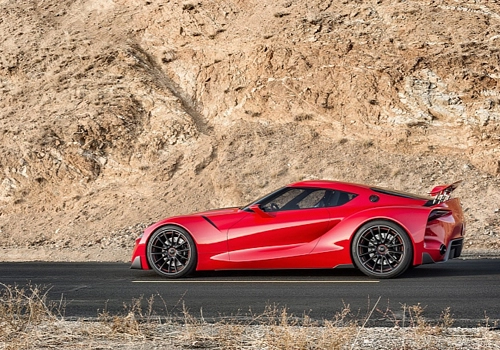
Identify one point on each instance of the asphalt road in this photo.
(471, 288)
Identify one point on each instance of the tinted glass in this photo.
(304, 198)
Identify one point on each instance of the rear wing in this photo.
(443, 192)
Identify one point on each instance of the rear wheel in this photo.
(382, 249)
(171, 252)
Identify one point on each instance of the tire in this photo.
(171, 252)
(382, 249)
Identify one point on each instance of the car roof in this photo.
(356, 188)
(337, 185)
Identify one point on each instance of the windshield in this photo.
(262, 199)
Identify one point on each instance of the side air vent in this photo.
(210, 221)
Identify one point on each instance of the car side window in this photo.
(314, 199)
(305, 198)
(296, 198)
(284, 201)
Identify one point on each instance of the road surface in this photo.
(471, 288)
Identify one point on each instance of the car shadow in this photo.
(454, 268)
(288, 273)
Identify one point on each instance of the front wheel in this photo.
(171, 252)
(382, 249)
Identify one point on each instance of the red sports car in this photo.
(310, 225)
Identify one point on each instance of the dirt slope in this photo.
(114, 114)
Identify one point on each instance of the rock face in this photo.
(114, 114)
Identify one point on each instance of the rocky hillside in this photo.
(114, 114)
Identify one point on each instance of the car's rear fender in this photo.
(412, 220)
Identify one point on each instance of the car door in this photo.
(284, 226)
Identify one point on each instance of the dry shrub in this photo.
(284, 331)
(21, 310)
(417, 319)
(275, 328)
(121, 324)
(446, 319)
(421, 326)
(29, 321)
(127, 323)
(195, 331)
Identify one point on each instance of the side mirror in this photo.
(256, 209)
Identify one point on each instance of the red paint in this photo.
(317, 237)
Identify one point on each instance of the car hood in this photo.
(223, 218)
(220, 218)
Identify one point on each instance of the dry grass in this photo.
(29, 321)
(22, 310)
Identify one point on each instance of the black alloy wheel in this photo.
(382, 249)
(171, 252)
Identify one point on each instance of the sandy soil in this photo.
(115, 114)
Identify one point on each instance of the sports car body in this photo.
(310, 225)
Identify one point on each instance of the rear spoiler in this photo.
(443, 192)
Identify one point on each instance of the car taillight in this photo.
(436, 214)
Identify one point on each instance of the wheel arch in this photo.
(391, 220)
(210, 242)
(191, 263)
(412, 219)
(159, 227)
